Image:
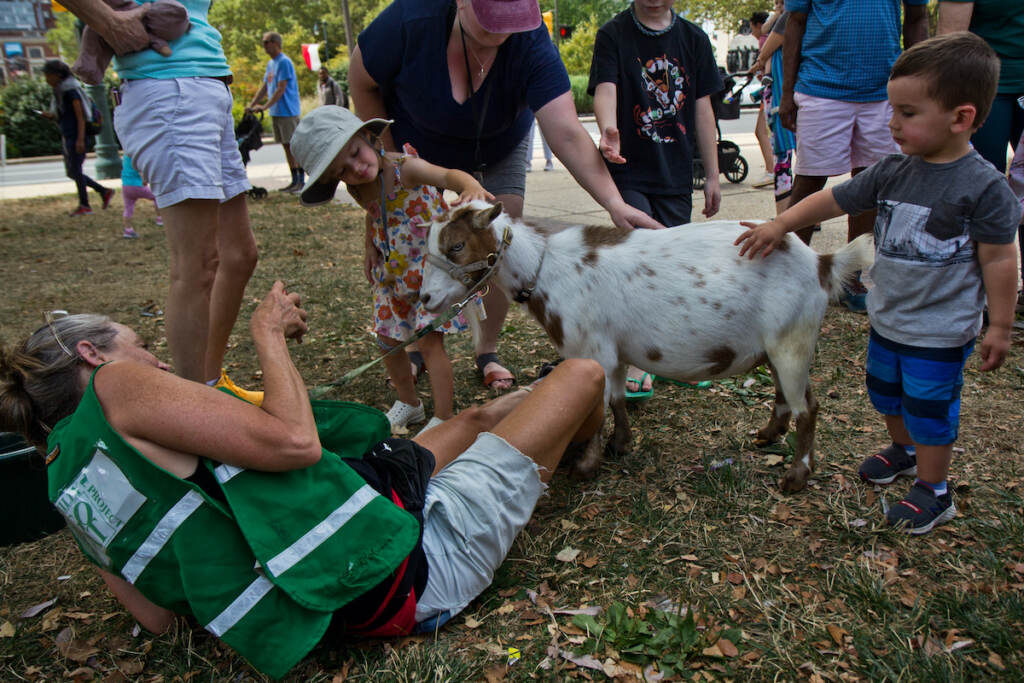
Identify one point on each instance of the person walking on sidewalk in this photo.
(71, 109)
(281, 89)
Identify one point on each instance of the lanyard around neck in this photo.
(478, 117)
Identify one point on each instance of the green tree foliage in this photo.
(28, 134)
(578, 51)
(727, 15)
(579, 12)
(63, 38)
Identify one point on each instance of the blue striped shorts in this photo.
(920, 384)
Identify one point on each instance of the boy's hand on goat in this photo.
(712, 197)
(762, 237)
(610, 146)
(994, 348)
(471, 193)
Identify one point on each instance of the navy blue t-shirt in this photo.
(66, 114)
(405, 52)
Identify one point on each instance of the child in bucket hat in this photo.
(334, 145)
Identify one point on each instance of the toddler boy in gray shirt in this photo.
(943, 244)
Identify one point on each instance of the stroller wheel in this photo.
(258, 193)
(738, 171)
(698, 174)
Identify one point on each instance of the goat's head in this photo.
(461, 247)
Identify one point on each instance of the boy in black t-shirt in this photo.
(652, 76)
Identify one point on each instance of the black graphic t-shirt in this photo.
(658, 81)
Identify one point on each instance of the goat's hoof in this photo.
(795, 480)
(584, 470)
(762, 441)
(613, 450)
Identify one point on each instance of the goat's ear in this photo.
(482, 219)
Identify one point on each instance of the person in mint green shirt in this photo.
(175, 123)
(281, 89)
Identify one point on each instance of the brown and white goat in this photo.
(680, 303)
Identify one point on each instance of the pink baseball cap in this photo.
(507, 16)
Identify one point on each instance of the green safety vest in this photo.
(264, 573)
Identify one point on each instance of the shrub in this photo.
(28, 134)
(584, 102)
(578, 51)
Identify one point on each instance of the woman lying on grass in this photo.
(274, 526)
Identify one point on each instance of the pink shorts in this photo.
(133, 193)
(833, 137)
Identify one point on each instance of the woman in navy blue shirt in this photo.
(463, 80)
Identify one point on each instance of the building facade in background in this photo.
(23, 27)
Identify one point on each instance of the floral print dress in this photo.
(397, 312)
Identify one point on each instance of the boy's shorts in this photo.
(475, 507)
(833, 137)
(181, 137)
(284, 127)
(920, 384)
(783, 175)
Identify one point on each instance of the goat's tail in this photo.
(839, 268)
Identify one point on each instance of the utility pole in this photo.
(348, 26)
(556, 24)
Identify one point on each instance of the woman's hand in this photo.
(280, 312)
(80, 146)
(626, 216)
(760, 237)
(712, 197)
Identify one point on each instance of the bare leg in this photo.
(497, 306)
(439, 369)
(764, 139)
(236, 260)
(192, 244)
(804, 186)
(932, 461)
(567, 406)
(400, 370)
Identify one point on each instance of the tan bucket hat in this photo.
(318, 138)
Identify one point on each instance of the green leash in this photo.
(321, 390)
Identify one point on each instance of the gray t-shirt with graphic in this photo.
(928, 289)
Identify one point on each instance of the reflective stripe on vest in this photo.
(240, 606)
(225, 473)
(161, 533)
(312, 539)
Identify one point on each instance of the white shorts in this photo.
(833, 137)
(475, 507)
(181, 137)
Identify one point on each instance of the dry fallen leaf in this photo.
(567, 554)
(712, 651)
(7, 630)
(837, 634)
(36, 609)
(470, 622)
(726, 647)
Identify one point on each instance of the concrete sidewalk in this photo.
(553, 197)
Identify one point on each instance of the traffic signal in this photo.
(549, 21)
(564, 32)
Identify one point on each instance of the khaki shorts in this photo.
(284, 127)
(834, 137)
(475, 507)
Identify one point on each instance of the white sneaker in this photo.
(434, 421)
(767, 180)
(403, 414)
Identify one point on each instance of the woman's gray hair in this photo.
(39, 378)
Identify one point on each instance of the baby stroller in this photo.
(726, 105)
(249, 136)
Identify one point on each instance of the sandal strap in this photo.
(484, 358)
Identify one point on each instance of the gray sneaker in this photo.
(885, 466)
(403, 414)
(921, 510)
